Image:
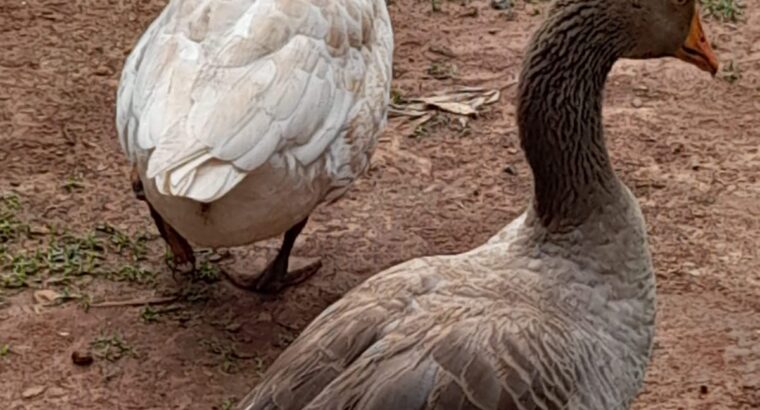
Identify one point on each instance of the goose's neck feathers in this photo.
(582, 214)
(560, 114)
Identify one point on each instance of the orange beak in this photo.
(696, 50)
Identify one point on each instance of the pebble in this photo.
(81, 358)
(56, 392)
(264, 317)
(470, 12)
(102, 71)
(501, 4)
(637, 103)
(641, 88)
(233, 327)
(32, 392)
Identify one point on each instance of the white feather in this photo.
(216, 90)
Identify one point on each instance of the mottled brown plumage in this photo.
(556, 311)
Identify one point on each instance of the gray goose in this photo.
(557, 311)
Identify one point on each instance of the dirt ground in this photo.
(72, 236)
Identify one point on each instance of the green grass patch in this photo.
(723, 10)
(57, 257)
(11, 228)
(73, 184)
(63, 257)
(731, 72)
(112, 348)
(441, 70)
(227, 404)
(133, 274)
(206, 272)
(227, 355)
(230, 358)
(124, 244)
(149, 314)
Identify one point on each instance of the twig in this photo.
(136, 302)
(285, 325)
(749, 60)
(512, 82)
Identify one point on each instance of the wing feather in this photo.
(363, 359)
(215, 89)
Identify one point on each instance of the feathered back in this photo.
(214, 89)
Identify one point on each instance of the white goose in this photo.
(239, 117)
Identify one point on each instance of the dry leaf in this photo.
(462, 101)
(46, 296)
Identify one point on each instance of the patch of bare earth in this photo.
(685, 144)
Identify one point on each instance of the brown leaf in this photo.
(463, 101)
(46, 296)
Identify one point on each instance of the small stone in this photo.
(509, 14)
(470, 12)
(501, 4)
(264, 317)
(641, 88)
(81, 358)
(233, 327)
(38, 230)
(637, 103)
(102, 71)
(54, 392)
(33, 392)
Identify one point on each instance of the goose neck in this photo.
(560, 114)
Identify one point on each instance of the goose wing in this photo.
(214, 89)
(364, 353)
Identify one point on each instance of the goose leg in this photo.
(276, 276)
(182, 252)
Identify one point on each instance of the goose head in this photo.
(669, 28)
(560, 95)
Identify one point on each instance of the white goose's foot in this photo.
(276, 276)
